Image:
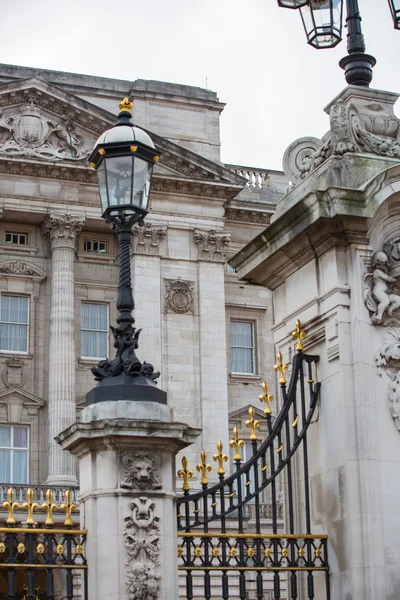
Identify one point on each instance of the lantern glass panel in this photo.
(101, 174)
(395, 10)
(119, 180)
(292, 3)
(322, 21)
(141, 183)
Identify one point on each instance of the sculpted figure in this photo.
(378, 295)
(4, 127)
(64, 132)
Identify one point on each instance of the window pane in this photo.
(20, 463)
(242, 347)
(14, 309)
(94, 344)
(241, 334)
(242, 360)
(14, 337)
(94, 316)
(5, 436)
(4, 466)
(20, 437)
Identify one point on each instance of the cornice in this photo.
(247, 216)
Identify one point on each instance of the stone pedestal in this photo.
(62, 231)
(126, 453)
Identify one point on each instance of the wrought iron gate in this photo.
(33, 557)
(224, 553)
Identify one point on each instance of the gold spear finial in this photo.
(125, 105)
(221, 458)
(185, 473)
(266, 398)
(281, 368)
(252, 424)
(49, 507)
(30, 506)
(68, 508)
(300, 335)
(236, 444)
(203, 467)
(11, 506)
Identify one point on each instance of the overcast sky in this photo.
(253, 54)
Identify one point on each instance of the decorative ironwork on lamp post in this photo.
(124, 157)
(323, 20)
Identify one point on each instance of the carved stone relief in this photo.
(212, 244)
(382, 298)
(19, 267)
(13, 373)
(179, 296)
(61, 230)
(147, 239)
(140, 470)
(29, 132)
(142, 543)
(371, 130)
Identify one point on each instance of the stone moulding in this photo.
(21, 268)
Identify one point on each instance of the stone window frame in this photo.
(8, 248)
(11, 232)
(254, 315)
(108, 257)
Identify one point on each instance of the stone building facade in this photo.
(208, 333)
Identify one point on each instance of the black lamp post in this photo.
(322, 21)
(124, 157)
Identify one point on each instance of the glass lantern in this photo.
(322, 21)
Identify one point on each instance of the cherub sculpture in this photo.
(378, 295)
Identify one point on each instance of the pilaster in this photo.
(62, 231)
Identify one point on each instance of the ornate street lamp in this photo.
(124, 157)
(394, 6)
(322, 21)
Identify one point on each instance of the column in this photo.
(62, 231)
(213, 370)
(126, 453)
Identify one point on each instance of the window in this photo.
(94, 246)
(230, 269)
(14, 321)
(242, 346)
(15, 237)
(94, 330)
(14, 454)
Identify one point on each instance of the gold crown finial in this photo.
(281, 368)
(185, 474)
(221, 458)
(236, 444)
(300, 335)
(266, 398)
(68, 507)
(204, 467)
(252, 424)
(30, 506)
(125, 105)
(11, 506)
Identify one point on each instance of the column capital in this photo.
(212, 244)
(147, 239)
(62, 230)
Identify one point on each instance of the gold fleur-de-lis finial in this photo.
(300, 335)
(49, 507)
(185, 473)
(203, 467)
(266, 398)
(11, 506)
(68, 507)
(281, 368)
(252, 424)
(125, 105)
(30, 506)
(221, 458)
(236, 444)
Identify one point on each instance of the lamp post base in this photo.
(358, 68)
(125, 387)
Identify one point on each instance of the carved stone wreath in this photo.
(179, 296)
